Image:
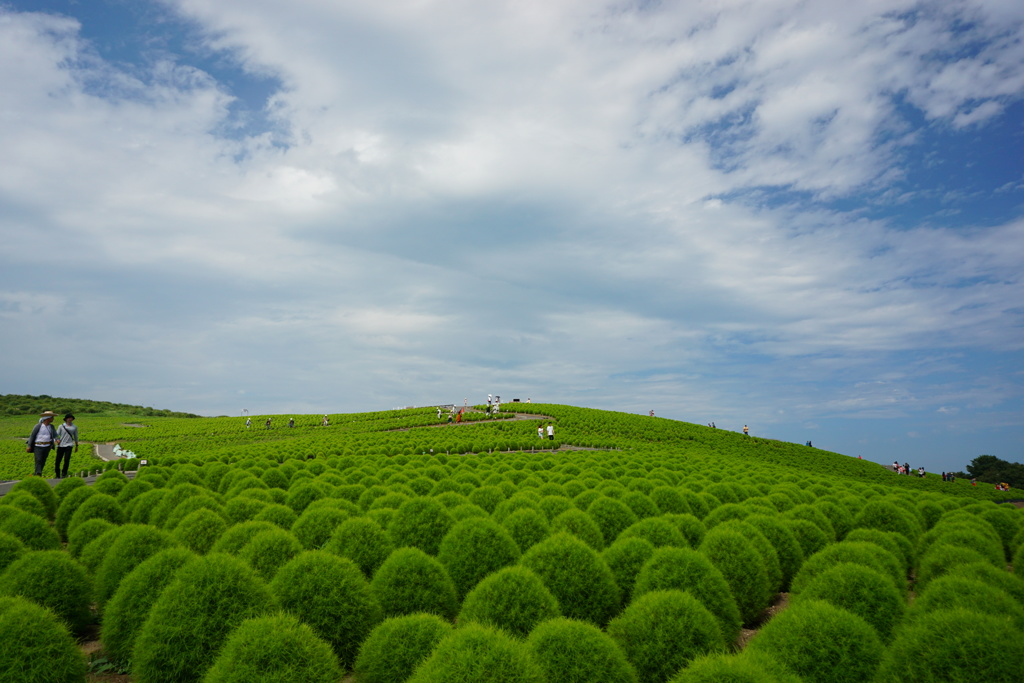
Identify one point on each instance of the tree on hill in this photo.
(16, 404)
(993, 470)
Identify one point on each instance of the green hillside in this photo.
(19, 404)
(392, 546)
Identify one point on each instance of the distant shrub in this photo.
(808, 534)
(36, 646)
(641, 504)
(127, 610)
(275, 513)
(140, 509)
(658, 530)
(10, 549)
(25, 502)
(131, 491)
(957, 592)
(66, 486)
(743, 568)
(552, 506)
(669, 500)
(662, 631)
(861, 590)
(814, 515)
(363, 541)
(612, 516)
(625, 557)
(997, 578)
(764, 548)
(513, 599)
(748, 667)
(527, 527)
(200, 530)
(176, 496)
(396, 646)
(888, 516)
(303, 492)
(867, 554)
(1007, 522)
(690, 527)
(133, 545)
(85, 533)
(581, 525)
(941, 559)
(821, 643)
(99, 506)
(474, 548)
(894, 543)
(243, 508)
(269, 550)
(420, 523)
(947, 646)
(316, 525)
(965, 537)
(330, 594)
(190, 621)
(274, 649)
(487, 497)
(40, 491)
(577, 651)
(478, 653)
(53, 579)
(577, 576)
(727, 512)
(787, 548)
(411, 581)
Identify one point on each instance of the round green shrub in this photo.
(941, 559)
(896, 544)
(821, 643)
(552, 506)
(131, 491)
(316, 525)
(243, 509)
(129, 607)
(275, 513)
(25, 502)
(688, 570)
(1007, 523)
(815, 516)
(513, 599)
(200, 530)
(964, 537)
(363, 541)
(625, 557)
(748, 667)
(175, 497)
(956, 592)
(888, 516)
(1018, 562)
(658, 530)
(194, 615)
(10, 550)
(53, 579)
(474, 548)
(302, 493)
(690, 527)
(274, 649)
(140, 508)
(66, 486)
(411, 581)
(478, 653)
(764, 548)
(69, 506)
(839, 517)
(867, 554)
(527, 527)
(100, 506)
(612, 516)
(396, 646)
(96, 550)
(187, 507)
(954, 646)
(727, 512)
(35, 532)
(810, 537)
(235, 538)
(641, 504)
(581, 525)
(860, 590)
(669, 500)
(577, 576)
(569, 650)
(110, 487)
(85, 533)
(743, 569)
(268, 551)
(420, 523)
(36, 646)
(787, 548)
(133, 545)
(997, 578)
(40, 491)
(660, 632)
(487, 497)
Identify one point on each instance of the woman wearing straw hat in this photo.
(42, 440)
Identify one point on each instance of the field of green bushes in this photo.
(389, 547)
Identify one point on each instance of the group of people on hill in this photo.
(906, 469)
(45, 438)
(291, 422)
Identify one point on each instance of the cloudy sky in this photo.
(802, 215)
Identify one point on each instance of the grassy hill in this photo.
(20, 404)
(627, 548)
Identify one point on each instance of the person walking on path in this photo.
(42, 440)
(746, 430)
(551, 431)
(67, 436)
(540, 431)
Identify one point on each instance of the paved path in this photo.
(103, 451)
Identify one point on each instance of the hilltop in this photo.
(20, 404)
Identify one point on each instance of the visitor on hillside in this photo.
(551, 431)
(974, 481)
(458, 418)
(943, 476)
(291, 421)
(67, 436)
(651, 413)
(41, 441)
(895, 466)
(248, 422)
(920, 471)
(268, 423)
(325, 421)
(906, 468)
(746, 430)
(540, 431)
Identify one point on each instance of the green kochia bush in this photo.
(237, 536)
(478, 653)
(527, 526)
(268, 551)
(867, 554)
(207, 599)
(99, 506)
(822, 643)
(569, 650)
(330, 594)
(474, 548)
(577, 576)
(411, 581)
(363, 541)
(36, 646)
(35, 532)
(53, 579)
(658, 530)
(128, 609)
(85, 533)
(133, 545)
(954, 646)
(888, 516)
(661, 632)
(690, 571)
(513, 599)
(274, 649)
(787, 548)
(955, 592)
(625, 557)
(749, 667)
(316, 526)
(743, 568)
(199, 530)
(613, 516)
(861, 590)
(810, 537)
(24, 501)
(941, 559)
(420, 523)
(10, 550)
(997, 578)
(581, 525)
(69, 506)
(765, 549)
(41, 491)
(396, 646)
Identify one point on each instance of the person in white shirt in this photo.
(42, 440)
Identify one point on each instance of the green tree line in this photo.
(18, 404)
(993, 470)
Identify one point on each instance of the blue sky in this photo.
(793, 215)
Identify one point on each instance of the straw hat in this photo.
(48, 413)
